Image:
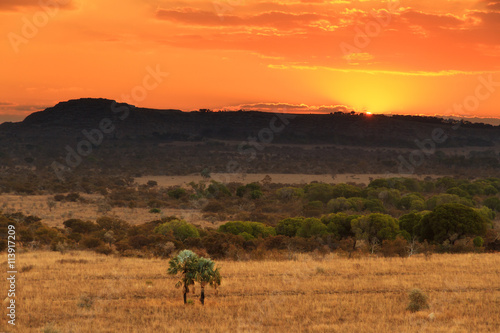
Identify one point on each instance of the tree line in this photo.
(396, 216)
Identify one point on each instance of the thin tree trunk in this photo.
(202, 296)
(185, 294)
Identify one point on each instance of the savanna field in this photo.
(250, 166)
(81, 291)
(398, 255)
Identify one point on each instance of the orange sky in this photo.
(418, 57)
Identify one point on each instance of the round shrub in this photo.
(288, 227)
(177, 193)
(338, 205)
(451, 222)
(418, 300)
(312, 227)
(478, 241)
(180, 229)
(255, 229)
(247, 236)
(91, 242)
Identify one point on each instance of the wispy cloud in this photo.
(292, 108)
(368, 71)
(281, 20)
(20, 109)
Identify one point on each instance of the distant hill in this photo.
(147, 141)
(67, 119)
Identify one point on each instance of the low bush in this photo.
(246, 229)
(91, 242)
(418, 300)
(179, 228)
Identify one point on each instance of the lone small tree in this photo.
(185, 263)
(205, 173)
(207, 274)
(194, 269)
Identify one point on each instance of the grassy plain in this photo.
(87, 292)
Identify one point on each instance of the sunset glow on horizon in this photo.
(394, 57)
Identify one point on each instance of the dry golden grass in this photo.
(332, 294)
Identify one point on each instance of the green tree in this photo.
(255, 229)
(338, 205)
(446, 183)
(377, 183)
(246, 236)
(207, 274)
(374, 205)
(185, 264)
(179, 228)
(410, 223)
(205, 173)
(289, 193)
(289, 226)
(177, 193)
(199, 189)
(312, 227)
(217, 190)
(346, 191)
(262, 230)
(390, 197)
(412, 202)
(117, 226)
(492, 203)
(458, 191)
(478, 241)
(375, 227)
(412, 184)
(236, 227)
(339, 224)
(490, 190)
(357, 203)
(79, 226)
(319, 192)
(442, 199)
(486, 212)
(256, 194)
(451, 222)
(253, 190)
(474, 188)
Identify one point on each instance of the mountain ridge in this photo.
(121, 138)
(104, 106)
(67, 119)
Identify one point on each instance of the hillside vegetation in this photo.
(390, 217)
